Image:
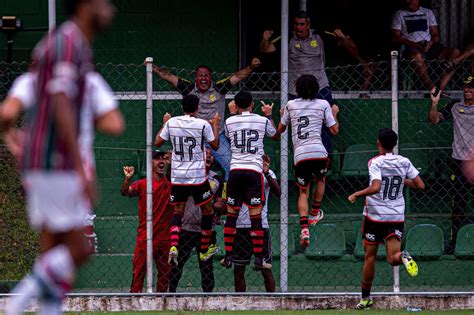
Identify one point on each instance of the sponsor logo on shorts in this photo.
(324, 171)
(230, 201)
(255, 201)
(370, 237)
(206, 195)
(171, 198)
(300, 181)
(398, 233)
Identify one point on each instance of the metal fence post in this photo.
(284, 153)
(394, 67)
(149, 179)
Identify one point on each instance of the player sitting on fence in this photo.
(384, 210)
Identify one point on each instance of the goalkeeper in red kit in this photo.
(162, 213)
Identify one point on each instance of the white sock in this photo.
(56, 268)
(27, 289)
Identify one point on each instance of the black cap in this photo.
(157, 153)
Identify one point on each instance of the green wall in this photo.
(177, 33)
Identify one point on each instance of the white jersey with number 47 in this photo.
(246, 133)
(307, 118)
(188, 135)
(388, 204)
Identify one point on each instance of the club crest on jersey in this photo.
(255, 201)
(230, 201)
(314, 43)
(206, 195)
(398, 233)
(370, 237)
(212, 98)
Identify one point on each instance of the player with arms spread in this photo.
(188, 136)
(307, 115)
(246, 132)
(384, 210)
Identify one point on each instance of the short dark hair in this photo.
(190, 103)
(307, 87)
(71, 6)
(302, 15)
(203, 66)
(387, 138)
(243, 99)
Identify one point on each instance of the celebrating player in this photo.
(243, 252)
(188, 135)
(162, 212)
(384, 210)
(307, 114)
(246, 132)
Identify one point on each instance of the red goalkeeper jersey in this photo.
(162, 212)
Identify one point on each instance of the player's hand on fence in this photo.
(267, 34)
(255, 63)
(282, 111)
(266, 165)
(266, 108)
(435, 95)
(166, 117)
(335, 110)
(128, 171)
(352, 198)
(232, 107)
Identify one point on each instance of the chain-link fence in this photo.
(438, 230)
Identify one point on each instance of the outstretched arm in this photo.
(266, 45)
(434, 116)
(166, 75)
(245, 72)
(126, 189)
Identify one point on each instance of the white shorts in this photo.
(55, 201)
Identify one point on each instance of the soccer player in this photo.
(246, 132)
(384, 210)
(188, 136)
(59, 191)
(307, 114)
(162, 212)
(190, 236)
(243, 252)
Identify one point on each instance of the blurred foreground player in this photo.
(58, 184)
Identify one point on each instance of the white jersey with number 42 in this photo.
(246, 133)
(307, 118)
(388, 205)
(188, 135)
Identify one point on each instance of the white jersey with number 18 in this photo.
(388, 205)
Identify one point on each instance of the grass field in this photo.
(321, 312)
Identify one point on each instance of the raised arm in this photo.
(434, 116)
(159, 141)
(126, 189)
(334, 129)
(166, 75)
(215, 130)
(267, 112)
(266, 45)
(245, 72)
